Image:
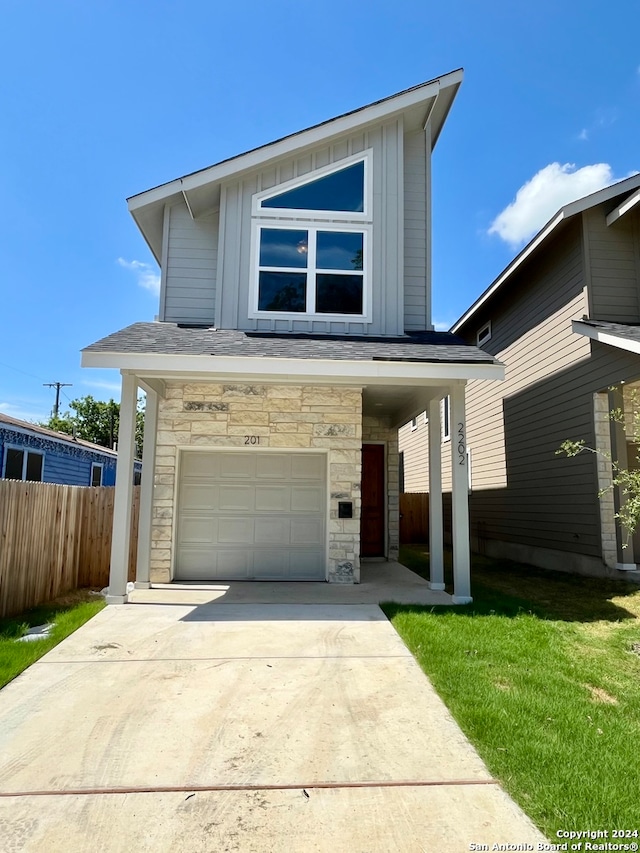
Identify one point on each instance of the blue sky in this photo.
(100, 100)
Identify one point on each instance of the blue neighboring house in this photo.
(38, 454)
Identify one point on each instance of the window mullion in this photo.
(311, 271)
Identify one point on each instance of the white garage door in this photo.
(251, 515)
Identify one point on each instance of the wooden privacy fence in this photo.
(414, 517)
(54, 539)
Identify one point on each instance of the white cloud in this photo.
(548, 190)
(146, 274)
(584, 134)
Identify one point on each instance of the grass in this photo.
(66, 614)
(542, 673)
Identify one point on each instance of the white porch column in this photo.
(146, 490)
(436, 535)
(121, 535)
(460, 499)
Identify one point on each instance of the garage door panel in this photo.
(236, 498)
(307, 499)
(235, 531)
(199, 496)
(237, 466)
(200, 465)
(307, 531)
(272, 565)
(306, 565)
(234, 565)
(308, 466)
(273, 466)
(272, 498)
(271, 531)
(199, 529)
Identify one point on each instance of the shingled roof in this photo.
(177, 339)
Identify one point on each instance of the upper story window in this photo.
(484, 334)
(304, 264)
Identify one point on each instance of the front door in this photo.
(372, 525)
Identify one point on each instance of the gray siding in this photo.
(415, 232)
(388, 261)
(522, 491)
(612, 252)
(189, 269)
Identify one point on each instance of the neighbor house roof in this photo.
(622, 335)
(176, 339)
(426, 103)
(25, 426)
(627, 188)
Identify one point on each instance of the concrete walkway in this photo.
(176, 726)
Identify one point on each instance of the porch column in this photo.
(121, 535)
(619, 455)
(146, 490)
(436, 535)
(460, 499)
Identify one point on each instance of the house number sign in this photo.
(462, 449)
(252, 439)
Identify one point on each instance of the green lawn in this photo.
(67, 614)
(542, 672)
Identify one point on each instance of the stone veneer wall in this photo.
(282, 416)
(375, 430)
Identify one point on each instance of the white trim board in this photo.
(604, 337)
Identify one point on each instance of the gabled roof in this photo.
(626, 188)
(25, 426)
(428, 102)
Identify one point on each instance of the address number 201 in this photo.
(252, 439)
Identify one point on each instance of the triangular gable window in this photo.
(342, 190)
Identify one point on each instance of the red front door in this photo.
(372, 525)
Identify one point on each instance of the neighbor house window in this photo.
(310, 265)
(484, 334)
(414, 424)
(446, 419)
(22, 464)
(96, 474)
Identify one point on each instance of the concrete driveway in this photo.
(240, 727)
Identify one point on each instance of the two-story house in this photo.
(294, 337)
(564, 317)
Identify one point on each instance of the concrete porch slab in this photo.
(380, 581)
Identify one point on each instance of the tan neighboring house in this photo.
(294, 338)
(564, 318)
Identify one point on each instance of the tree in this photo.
(626, 480)
(96, 421)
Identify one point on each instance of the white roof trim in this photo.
(311, 136)
(317, 371)
(565, 212)
(623, 208)
(605, 337)
(513, 266)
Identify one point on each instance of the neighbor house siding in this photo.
(189, 274)
(613, 254)
(414, 443)
(235, 277)
(523, 492)
(415, 232)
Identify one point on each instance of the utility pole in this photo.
(57, 386)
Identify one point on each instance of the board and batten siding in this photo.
(613, 257)
(415, 232)
(188, 289)
(235, 275)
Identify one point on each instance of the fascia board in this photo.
(603, 337)
(513, 266)
(627, 205)
(294, 370)
(306, 138)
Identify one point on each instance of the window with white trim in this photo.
(484, 334)
(22, 464)
(309, 266)
(446, 418)
(96, 473)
